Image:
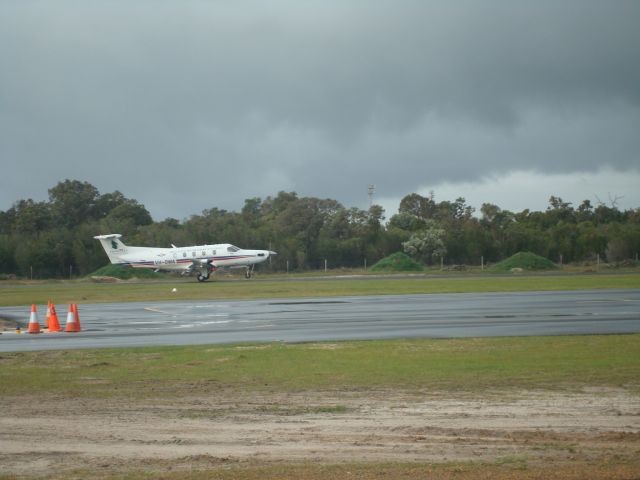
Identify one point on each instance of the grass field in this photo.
(509, 469)
(83, 292)
(258, 379)
(483, 368)
(471, 365)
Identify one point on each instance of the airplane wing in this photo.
(198, 265)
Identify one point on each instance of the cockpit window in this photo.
(231, 248)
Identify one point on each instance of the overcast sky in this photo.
(187, 105)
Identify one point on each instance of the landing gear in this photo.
(203, 276)
(248, 272)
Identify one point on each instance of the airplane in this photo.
(201, 259)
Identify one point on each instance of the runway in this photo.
(337, 318)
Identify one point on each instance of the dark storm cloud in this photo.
(189, 105)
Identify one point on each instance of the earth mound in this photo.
(523, 261)
(124, 273)
(397, 262)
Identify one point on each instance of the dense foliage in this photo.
(55, 238)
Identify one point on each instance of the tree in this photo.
(133, 211)
(251, 210)
(559, 211)
(407, 221)
(31, 218)
(623, 241)
(52, 235)
(7, 254)
(73, 202)
(419, 206)
(584, 212)
(497, 222)
(106, 203)
(428, 244)
(590, 241)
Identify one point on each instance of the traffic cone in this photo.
(72, 325)
(77, 315)
(47, 315)
(54, 324)
(34, 326)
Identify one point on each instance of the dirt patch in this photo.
(56, 435)
(7, 324)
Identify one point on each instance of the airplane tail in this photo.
(113, 246)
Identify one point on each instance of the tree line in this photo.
(54, 238)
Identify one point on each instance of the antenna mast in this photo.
(372, 190)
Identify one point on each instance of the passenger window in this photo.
(184, 254)
(193, 254)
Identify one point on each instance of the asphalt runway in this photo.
(336, 318)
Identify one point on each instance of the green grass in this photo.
(125, 273)
(470, 365)
(211, 467)
(524, 260)
(397, 262)
(483, 367)
(82, 292)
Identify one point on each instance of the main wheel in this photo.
(247, 274)
(202, 278)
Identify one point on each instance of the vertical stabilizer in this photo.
(113, 246)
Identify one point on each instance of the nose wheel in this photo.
(248, 272)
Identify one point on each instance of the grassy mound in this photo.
(397, 262)
(524, 261)
(124, 273)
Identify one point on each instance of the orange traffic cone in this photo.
(34, 326)
(72, 325)
(54, 324)
(77, 315)
(47, 315)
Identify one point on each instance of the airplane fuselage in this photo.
(201, 259)
(219, 256)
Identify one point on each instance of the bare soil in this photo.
(537, 429)
(7, 324)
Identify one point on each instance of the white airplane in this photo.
(202, 259)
